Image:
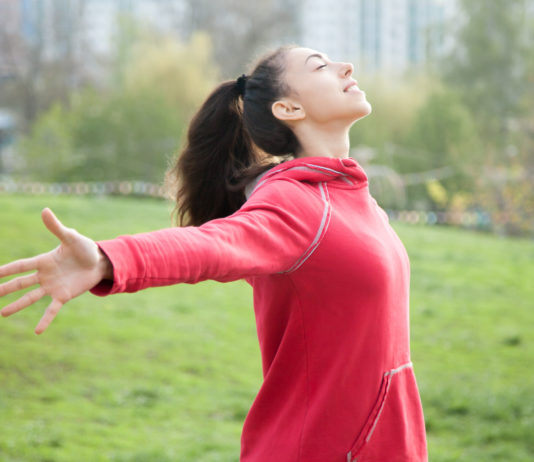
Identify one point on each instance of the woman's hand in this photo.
(71, 269)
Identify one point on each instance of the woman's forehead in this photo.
(297, 57)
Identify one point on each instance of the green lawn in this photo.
(169, 374)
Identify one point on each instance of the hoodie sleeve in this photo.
(267, 235)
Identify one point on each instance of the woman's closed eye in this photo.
(324, 65)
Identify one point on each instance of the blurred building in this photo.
(100, 18)
(7, 136)
(390, 35)
(86, 33)
(10, 19)
(81, 31)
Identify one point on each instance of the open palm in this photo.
(71, 269)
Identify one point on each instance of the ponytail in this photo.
(227, 144)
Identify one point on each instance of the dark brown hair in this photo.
(230, 140)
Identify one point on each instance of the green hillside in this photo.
(169, 374)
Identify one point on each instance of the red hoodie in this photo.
(331, 294)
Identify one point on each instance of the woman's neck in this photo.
(323, 141)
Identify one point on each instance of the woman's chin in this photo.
(364, 110)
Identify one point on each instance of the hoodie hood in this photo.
(345, 173)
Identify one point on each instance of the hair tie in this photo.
(240, 84)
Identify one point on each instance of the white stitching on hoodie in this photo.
(325, 221)
(377, 418)
(398, 369)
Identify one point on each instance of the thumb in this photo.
(54, 225)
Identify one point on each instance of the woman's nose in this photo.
(347, 69)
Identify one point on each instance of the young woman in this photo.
(269, 194)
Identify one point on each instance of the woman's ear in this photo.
(287, 110)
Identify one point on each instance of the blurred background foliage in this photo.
(455, 135)
(130, 129)
(468, 121)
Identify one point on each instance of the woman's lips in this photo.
(353, 89)
(350, 84)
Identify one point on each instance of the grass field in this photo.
(169, 374)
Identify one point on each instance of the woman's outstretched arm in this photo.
(274, 232)
(71, 269)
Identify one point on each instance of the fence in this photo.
(123, 188)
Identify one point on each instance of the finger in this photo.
(48, 316)
(23, 302)
(19, 283)
(54, 225)
(19, 266)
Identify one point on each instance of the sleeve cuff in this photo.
(118, 253)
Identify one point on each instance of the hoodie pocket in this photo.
(365, 439)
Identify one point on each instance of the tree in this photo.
(238, 28)
(48, 149)
(128, 131)
(492, 69)
(395, 104)
(489, 64)
(44, 66)
(445, 133)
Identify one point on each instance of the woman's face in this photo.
(320, 88)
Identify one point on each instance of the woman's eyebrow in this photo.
(315, 55)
